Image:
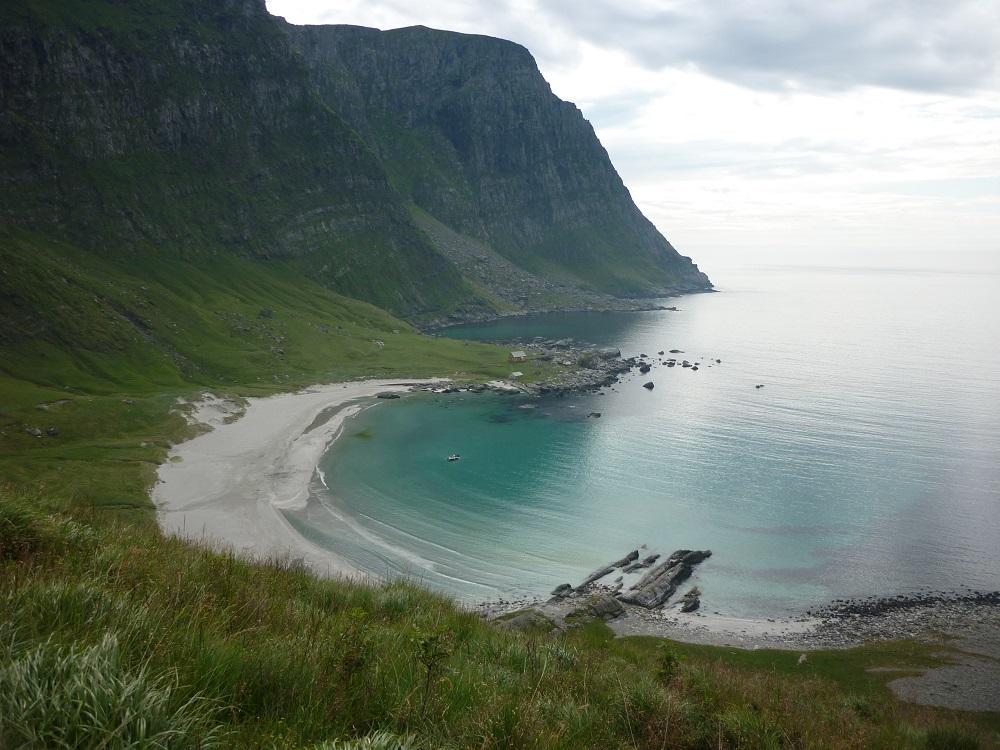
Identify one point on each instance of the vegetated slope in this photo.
(113, 637)
(471, 132)
(186, 129)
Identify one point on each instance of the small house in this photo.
(517, 356)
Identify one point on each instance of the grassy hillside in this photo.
(99, 350)
(114, 637)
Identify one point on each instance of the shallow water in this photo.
(868, 464)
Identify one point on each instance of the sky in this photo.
(858, 132)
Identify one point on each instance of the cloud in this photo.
(919, 45)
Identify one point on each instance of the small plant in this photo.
(432, 651)
(668, 662)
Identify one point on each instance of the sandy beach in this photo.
(226, 487)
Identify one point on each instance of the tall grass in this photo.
(123, 638)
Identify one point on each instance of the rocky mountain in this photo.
(192, 131)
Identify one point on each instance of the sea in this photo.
(867, 464)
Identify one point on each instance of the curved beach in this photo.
(226, 487)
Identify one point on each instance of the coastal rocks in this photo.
(527, 621)
(602, 606)
(601, 572)
(691, 600)
(648, 386)
(388, 396)
(630, 557)
(644, 563)
(597, 575)
(644, 369)
(561, 591)
(660, 583)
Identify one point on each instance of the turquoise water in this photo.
(868, 464)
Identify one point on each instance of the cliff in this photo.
(432, 174)
(470, 132)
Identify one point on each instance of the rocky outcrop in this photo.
(660, 583)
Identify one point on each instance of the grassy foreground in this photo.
(114, 637)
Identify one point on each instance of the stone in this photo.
(648, 386)
(563, 589)
(660, 583)
(602, 606)
(388, 396)
(644, 369)
(526, 621)
(52, 431)
(33, 431)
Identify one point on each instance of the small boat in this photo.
(454, 457)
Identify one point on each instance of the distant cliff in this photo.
(471, 132)
(369, 161)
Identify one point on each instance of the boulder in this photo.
(563, 589)
(528, 620)
(648, 386)
(602, 606)
(53, 431)
(644, 369)
(390, 395)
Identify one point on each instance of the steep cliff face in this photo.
(189, 129)
(399, 168)
(471, 132)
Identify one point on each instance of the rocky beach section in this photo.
(578, 367)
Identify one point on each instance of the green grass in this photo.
(105, 620)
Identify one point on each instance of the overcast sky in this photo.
(859, 132)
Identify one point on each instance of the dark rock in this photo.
(595, 414)
(53, 431)
(596, 575)
(562, 590)
(388, 396)
(530, 620)
(660, 583)
(648, 386)
(644, 369)
(691, 600)
(630, 557)
(676, 351)
(603, 606)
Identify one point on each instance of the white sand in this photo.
(225, 488)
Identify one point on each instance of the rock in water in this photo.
(596, 575)
(630, 557)
(562, 590)
(648, 386)
(691, 600)
(660, 583)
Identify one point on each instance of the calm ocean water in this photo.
(868, 464)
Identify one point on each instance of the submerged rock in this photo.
(648, 386)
